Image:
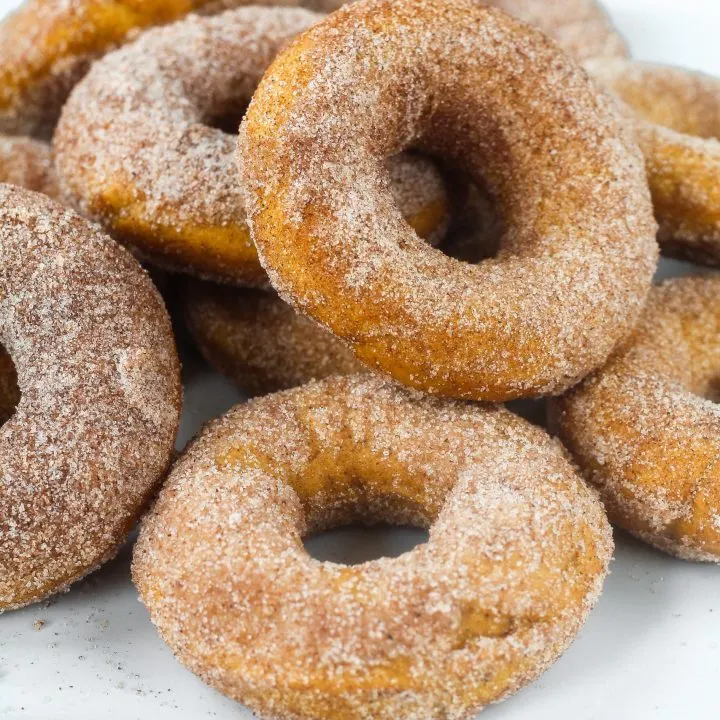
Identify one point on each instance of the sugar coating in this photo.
(259, 341)
(136, 149)
(46, 46)
(27, 163)
(99, 380)
(676, 113)
(645, 428)
(499, 99)
(580, 27)
(517, 552)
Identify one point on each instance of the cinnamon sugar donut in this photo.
(46, 46)
(517, 552)
(259, 341)
(27, 163)
(93, 432)
(580, 27)
(677, 120)
(645, 429)
(136, 149)
(502, 101)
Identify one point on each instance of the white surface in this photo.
(650, 650)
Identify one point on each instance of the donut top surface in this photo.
(580, 27)
(517, 550)
(99, 395)
(678, 337)
(491, 94)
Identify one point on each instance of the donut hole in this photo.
(356, 544)
(9, 390)
(476, 232)
(227, 119)
(359, 505)
(712, 390)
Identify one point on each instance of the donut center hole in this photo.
(357, 544)
(9, 390)
(712, 390)
(476, 231)
(227, 120)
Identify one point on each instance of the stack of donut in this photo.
(431, 207)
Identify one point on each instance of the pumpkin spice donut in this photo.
(463, 620)
(578, 251)
(98, 375)
(47, 46)
(677, 121)
(259, 341)
(645, 429)
(152, 105)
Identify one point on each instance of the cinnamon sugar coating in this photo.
(645, 429)
(676, 114)
(259, 341)
(580, 27)
(46, 46)
(99, 380)
(27, 163)
(136, 148)
(517, 553)
(502, 101)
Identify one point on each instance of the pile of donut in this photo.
(431, 207)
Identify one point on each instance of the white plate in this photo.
(651, 648)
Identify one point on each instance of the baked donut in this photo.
(645, 429)
(580, 27)
(578, 252)
(46, 46)
(27, 163)
(677, 121)
(93, 432)
(463, 620)
(152, 105)
(259, 341)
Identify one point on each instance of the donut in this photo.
(154, 105)
(47, 46)
(259, 341)
(580, 27)
(575, 261)
(98, 375)
(463, 620)
(27, 163)
(644, 428)
(676, 114)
